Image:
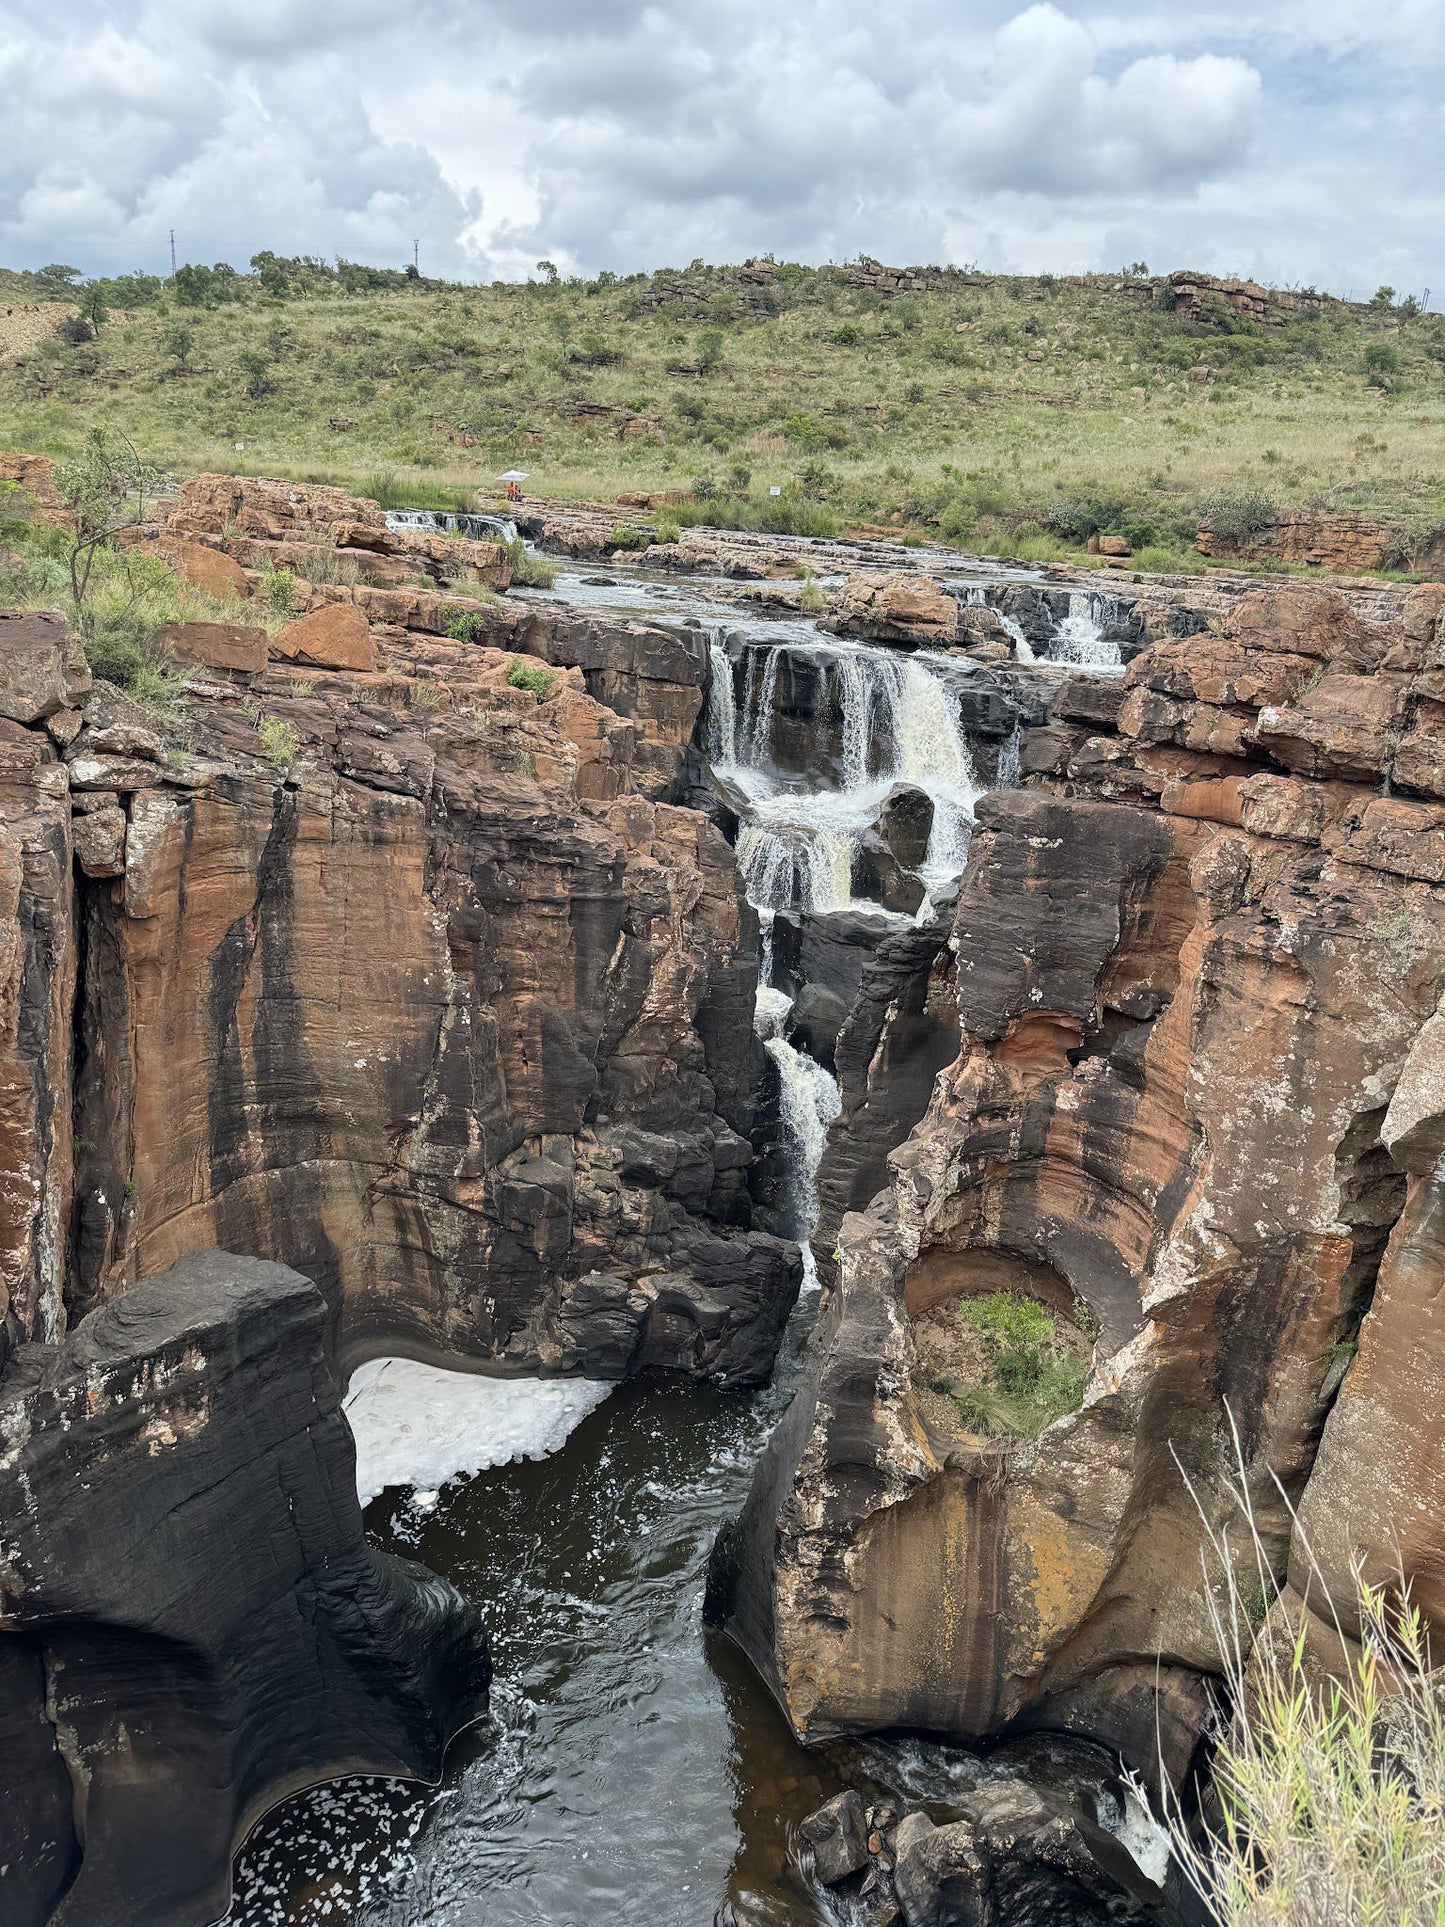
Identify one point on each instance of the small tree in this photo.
(709, 348)
(178, 340)
(104, 491)
(1384, 296)
(255, 367)
(93, 307)
(548, 272)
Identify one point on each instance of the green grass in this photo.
(983, 410)
(132, 600)
(1329, 1763)
(1033, 1372)
(536, 676)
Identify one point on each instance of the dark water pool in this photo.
(633, 1769)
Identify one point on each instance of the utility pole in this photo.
(173, 254)
(416, 255)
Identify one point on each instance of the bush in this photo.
(1238, 514)
(536, 676)
(278, 588)
(279, 741)
(529, 570)
(123, 647)
(473, 625)
(630, 541)
(1077, 517)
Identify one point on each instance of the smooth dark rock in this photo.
(196, 1624)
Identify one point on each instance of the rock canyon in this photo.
(571, 981)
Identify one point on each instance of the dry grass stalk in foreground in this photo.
(1331, 1791)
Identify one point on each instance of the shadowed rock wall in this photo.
(191, 1621)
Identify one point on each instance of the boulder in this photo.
(99, 841)
(941, 1876)
(335, 637)
(837, 1836)
(231, 647)
(904, 823)
(195, 1622)
(908, 608)
(210, 570)
(42, 666)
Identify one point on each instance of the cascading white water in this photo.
(1083, 636)
(809, 1100)
(442, 522)
(898, 723)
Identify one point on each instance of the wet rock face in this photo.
(193, 1620)
(1197, 967)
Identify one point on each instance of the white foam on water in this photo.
(420, 1426)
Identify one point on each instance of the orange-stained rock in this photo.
(230, 646)
(335, 637)
(1344, 726)
(1198, 1088)
(209, 570)
(908, 607)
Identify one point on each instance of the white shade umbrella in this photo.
(513, 475)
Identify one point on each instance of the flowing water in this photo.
(633, 1767)
(442, 522)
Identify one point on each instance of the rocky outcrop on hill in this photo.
(1197, 966)
(407, 977)
(194, 1624)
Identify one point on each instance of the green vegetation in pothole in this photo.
(1006, 1364)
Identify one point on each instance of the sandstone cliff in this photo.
(1197, 963)
(439, 1001)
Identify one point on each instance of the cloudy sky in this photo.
(1299, 140)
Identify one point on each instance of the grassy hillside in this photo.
(1013, 413)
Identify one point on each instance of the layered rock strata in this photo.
(1197, 1103)
(408, 978)
(191, 1621)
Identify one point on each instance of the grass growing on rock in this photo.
(536, 676)
(1008, 1365)
(132, 600)
(1012, 414)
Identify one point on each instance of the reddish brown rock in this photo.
(905, 607)
(1212, 1113)
(335, 637)
(42, 667)
(207, 569)
(230, 646)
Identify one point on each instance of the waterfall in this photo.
(1008, 761)
(809, 1101)
(722, 708)
(443, 522)
(898, 723)
(1083, 634)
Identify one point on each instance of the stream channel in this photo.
(633, 1768)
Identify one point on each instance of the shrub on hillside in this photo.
(1238, 514)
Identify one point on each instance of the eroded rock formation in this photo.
(452, 1011)
(193, 1622)
(1197, 966)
